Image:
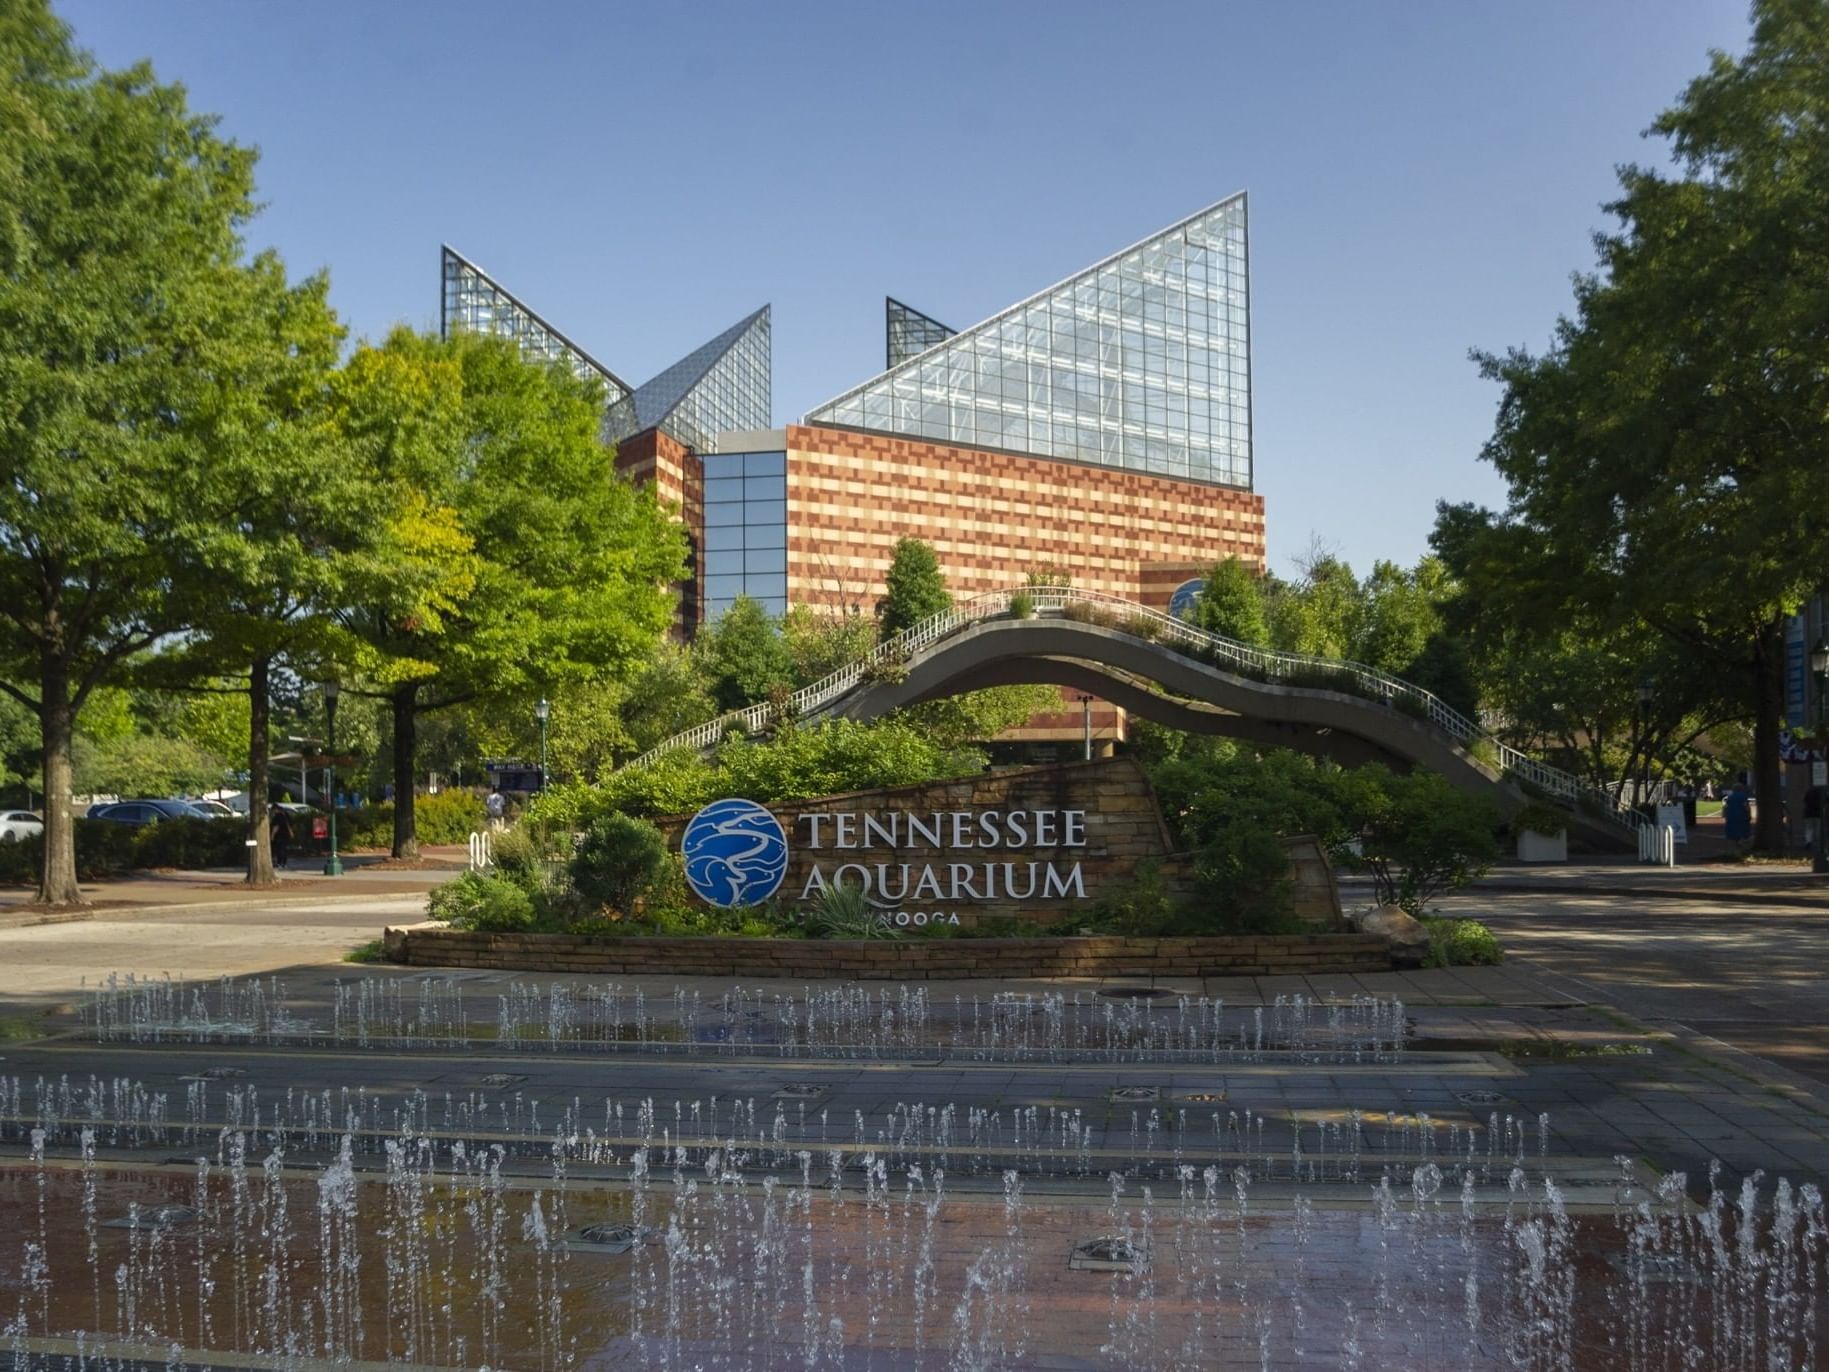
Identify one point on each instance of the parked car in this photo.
(18, 824)
(137, 812)
(212, 809)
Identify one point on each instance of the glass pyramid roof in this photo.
(721, 386)
(474, 301)
(1141, 361)
(910, 332)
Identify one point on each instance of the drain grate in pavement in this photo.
(1201, 1097)
(215, 1074)
(497, 1081)
(1480, 1100)
(1128, 1093)
(1108, 1253)
(801, 1091)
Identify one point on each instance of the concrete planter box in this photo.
(1535, 847)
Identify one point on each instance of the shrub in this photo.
(1244, 874)
(1141, 906)
(481, 904)
(619, 862)
(1538, 818)
(1461, 943)
(1420, 837)
(1022, 606)
(844, 911)
(107, 850)
(448, 818)
(535, 860)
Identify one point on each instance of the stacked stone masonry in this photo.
(920, 960)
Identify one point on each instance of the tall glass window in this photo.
(745, 531)
(1140, 361)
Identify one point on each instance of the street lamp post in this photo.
(541, 710)
(333, 865)
(1819, 668)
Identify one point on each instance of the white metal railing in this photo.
(1125, 616)
(482, 850)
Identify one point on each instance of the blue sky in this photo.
(1424, 176)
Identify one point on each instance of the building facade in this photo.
(1100, 429)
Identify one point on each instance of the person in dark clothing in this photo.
(279, 830)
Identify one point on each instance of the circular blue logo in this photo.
(735, 853)
(1181, 604)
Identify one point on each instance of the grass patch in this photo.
(372, 951)
(16, 1028)
(1461, 943)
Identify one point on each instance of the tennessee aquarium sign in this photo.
(915, 867)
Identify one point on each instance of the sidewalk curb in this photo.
(31, 918)
(1807, 900)
(10, 921)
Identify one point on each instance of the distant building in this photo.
(1101, 427)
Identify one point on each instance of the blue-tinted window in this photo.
(720, 537)
(745, 531)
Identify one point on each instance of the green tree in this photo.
(668, 697)
(1668, 445)
(742, 656)
(125, 302)
(571, 567)
(979, 716)
(1232, 604)
(915, 589)
(819, 644)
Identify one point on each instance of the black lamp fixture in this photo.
(541, 710)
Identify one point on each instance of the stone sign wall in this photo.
(1036, 843)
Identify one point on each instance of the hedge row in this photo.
(105, 850)
(448, 817)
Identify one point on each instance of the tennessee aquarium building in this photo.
(1101, 427)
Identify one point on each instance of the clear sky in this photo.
(1424, 176)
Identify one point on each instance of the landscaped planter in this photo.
(1535, 847)
(893, 959)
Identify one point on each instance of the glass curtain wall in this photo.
(722, 386)
(475, 302)
(1141, 361)
(745, 531)
(909, 331)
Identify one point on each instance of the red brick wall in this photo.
(993, 517)
(679, 480)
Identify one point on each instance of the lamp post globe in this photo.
(333, 865)
(542, 708)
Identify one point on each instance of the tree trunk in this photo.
(1768, 710)
(406, 738)
(260, 706)
(57, 880)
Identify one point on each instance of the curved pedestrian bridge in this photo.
(1172, 673)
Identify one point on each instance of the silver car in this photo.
(18, 824)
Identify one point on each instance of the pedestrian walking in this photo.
(1737, 815)
(496, 808)
(279, 833)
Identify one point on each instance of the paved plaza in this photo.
(1264, 1138)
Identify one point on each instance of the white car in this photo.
(18, 824)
